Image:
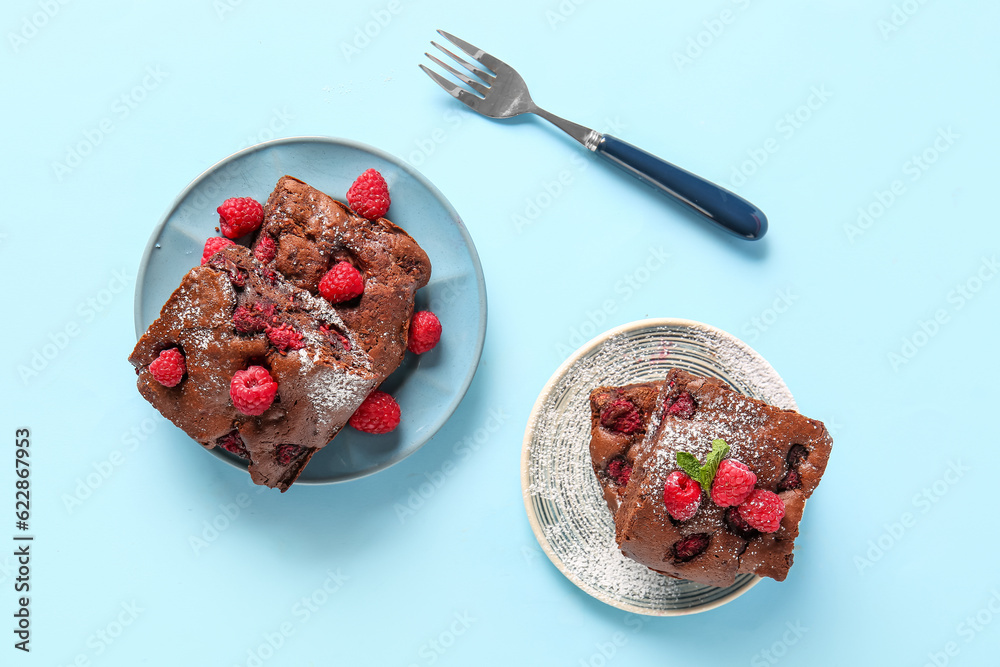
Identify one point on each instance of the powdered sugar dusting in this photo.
(569, 514)
(322, 310)
(576, 523)
(745, 369)
(333, 392)
(695, 436)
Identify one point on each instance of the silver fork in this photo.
(498, 91)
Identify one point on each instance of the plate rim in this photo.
(463, 389)
(533, 418)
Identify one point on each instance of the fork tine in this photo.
(485, 76)
(475, 52)
(475, 85)
(459, 93)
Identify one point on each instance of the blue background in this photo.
(881, 324)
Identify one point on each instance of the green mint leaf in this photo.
(719, 451)
(689, 464)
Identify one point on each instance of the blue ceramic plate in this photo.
(429, 387)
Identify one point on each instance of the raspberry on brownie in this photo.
(619, 419)
(238, 323)
(748, 524)
(310, 233)
(368, 196)
(262, 364)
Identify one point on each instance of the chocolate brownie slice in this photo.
(619, 418)
(235, 312)
(787, 452)
(306, 232)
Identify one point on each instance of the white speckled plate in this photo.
(428, 388)
(562, 497)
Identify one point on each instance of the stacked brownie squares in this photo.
(731, 502)
(256, 316)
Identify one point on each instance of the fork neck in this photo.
(584, 135)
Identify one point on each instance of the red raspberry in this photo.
(255, 319)
(168, 368)
(619, 470)
(790, 481)
(369, 195)
(683, 406)
(239, 216)
(732, 484)
(689, 547)
(212, 246)
(378, 414)
(737, 525)
(796, 455)
(288, 453)
(285, 338)
(233, 443)
(622, 416)
(341, 283)
(681, 495)
(425, 332)
(266, 249)
(763, 510)
(253, 390)
(334, 335)
(237, 276)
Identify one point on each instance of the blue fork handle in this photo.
(731, 212)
